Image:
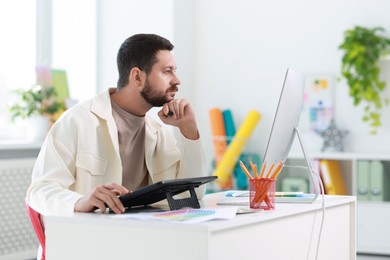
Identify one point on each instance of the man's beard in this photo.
(152, 99)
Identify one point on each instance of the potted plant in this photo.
(363, 48)
(38, 104)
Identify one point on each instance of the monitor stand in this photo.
(314, 176)
(191, 202)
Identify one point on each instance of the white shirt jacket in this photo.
(81, 151)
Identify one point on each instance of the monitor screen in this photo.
(286, 119)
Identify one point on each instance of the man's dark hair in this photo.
(139, 51)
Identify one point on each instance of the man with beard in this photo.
(108, 146)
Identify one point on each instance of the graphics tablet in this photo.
(165, 190)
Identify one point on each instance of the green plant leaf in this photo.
(36, 100)
(362, 47)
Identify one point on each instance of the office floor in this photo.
(372, 257)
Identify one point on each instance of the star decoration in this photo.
(333, 137)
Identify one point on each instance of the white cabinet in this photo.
(373, 228)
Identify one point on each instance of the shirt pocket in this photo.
(91, 163)
(164, 161)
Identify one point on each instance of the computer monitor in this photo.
(286, 118)
(285, 126)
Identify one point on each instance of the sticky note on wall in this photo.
(225, 167)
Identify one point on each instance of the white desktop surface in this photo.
(289, 232)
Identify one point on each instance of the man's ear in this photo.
(136, 76)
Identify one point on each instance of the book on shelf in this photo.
(363, 180)
(378, 181)
(332, 177)
(372, 181)
(315, 165)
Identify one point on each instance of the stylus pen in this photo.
(170, 113)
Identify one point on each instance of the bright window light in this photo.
(74, 45)
(17, 52)
(66, 41)
(18, 44)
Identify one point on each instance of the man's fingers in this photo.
(110, 198)
(101, 197)
(100, 205)
(176, 107)
(116, 187)
(182, 106)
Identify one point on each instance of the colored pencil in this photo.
(262, 170)
(277, 170)
(254, 169)
(270, 170)
(245, 170)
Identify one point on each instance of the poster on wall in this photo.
(318, 104)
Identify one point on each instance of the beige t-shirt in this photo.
(131, 136)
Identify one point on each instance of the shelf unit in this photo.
(373, 230)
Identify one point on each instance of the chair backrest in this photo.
(36, 221)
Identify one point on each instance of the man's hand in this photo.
(100, 196)
(179, 113)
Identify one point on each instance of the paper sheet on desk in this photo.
(184, 215)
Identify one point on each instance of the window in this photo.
(53, 33)
(17, 52)
(74, 44)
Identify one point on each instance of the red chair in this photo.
(36, 222)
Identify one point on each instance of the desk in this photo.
(288, 232)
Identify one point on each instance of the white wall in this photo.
(243, 49)
(119, 19)
(233, 54)
(73, 44)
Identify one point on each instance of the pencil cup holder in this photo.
(262, 193)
